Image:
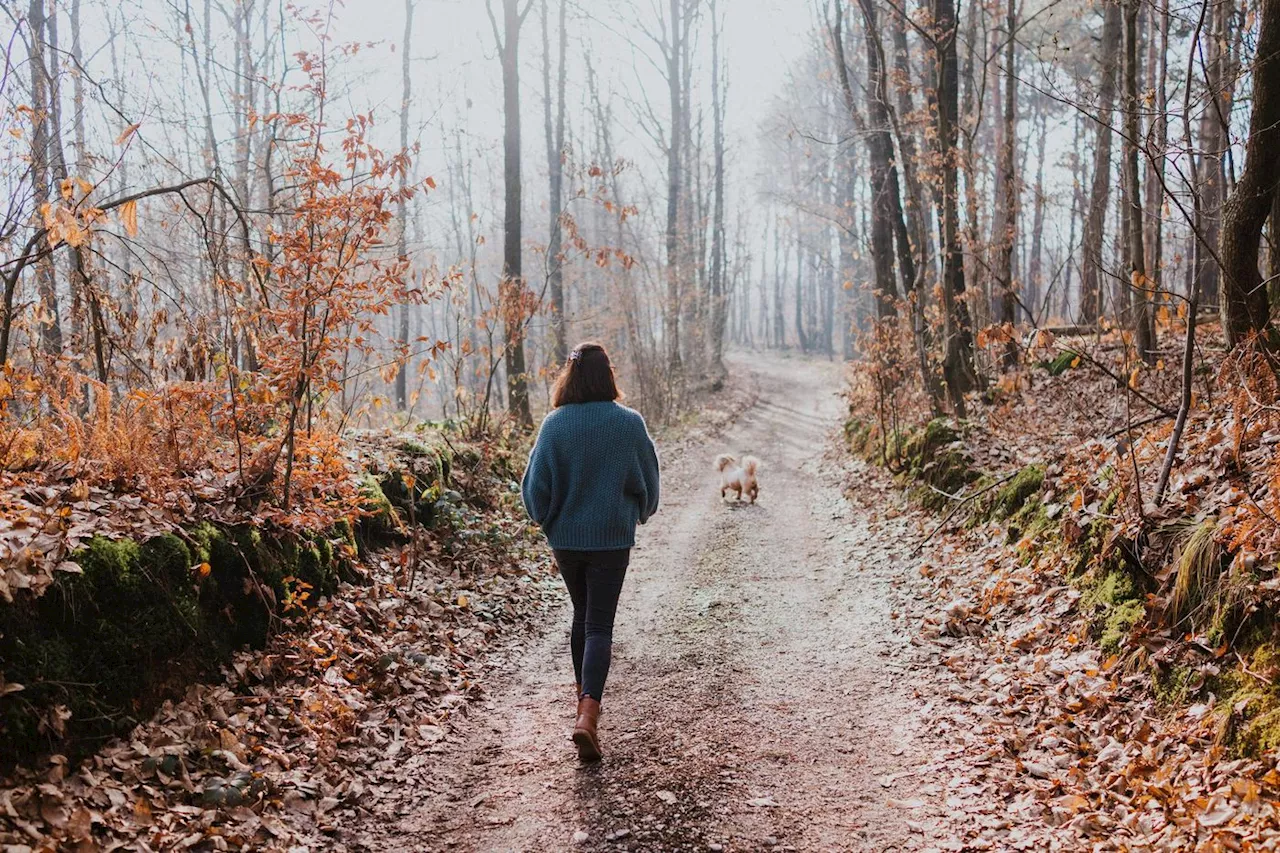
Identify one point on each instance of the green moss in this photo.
(1062, 363)
(1110, 502)
(1173, 686)
(429, 462)
(110, 566)
(100, 642)
(202, 538)
(1112, 602)
(1119, 622)
(857, 435)
(947, 473)
(1248, 706)
(141, 621)
(925, 443)
(413, 447)
(1012, 497)
(1115, 587)
(1261, 733)
(380, 520)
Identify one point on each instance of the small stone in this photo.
(715, 847)
(770, 841)
(580, 837)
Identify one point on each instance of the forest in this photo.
(988, 287)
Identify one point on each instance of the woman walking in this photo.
(592, 476)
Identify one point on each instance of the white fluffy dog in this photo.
(739, 477)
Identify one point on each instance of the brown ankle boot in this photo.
(584, 730)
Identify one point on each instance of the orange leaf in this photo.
(129, 216)
(128, 131)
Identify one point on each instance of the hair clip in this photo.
(575, 355)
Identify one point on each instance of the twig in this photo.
(956, 508)
(1136, 424)
(1119, 381)
(1248, 671)
(1133, 454)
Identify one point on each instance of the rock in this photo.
(580, 837)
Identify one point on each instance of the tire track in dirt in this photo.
(760, 698)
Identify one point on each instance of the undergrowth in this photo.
(141, 618)
(1184, 585)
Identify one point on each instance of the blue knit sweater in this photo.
(592, 476)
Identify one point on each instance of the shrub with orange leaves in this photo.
(254, 436)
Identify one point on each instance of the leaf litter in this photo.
(311, 731)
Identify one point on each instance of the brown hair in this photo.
(587, 377)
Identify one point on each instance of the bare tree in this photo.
(1095, 222)
(42, 146)
(957, 366)
(1144, 317)
(513, 290)
(406, 92)
(555, 171)
(875, 130)
(1246, 211)
(1005, 230)
(718, 290)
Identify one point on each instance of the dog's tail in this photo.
(724, 460)
(750, 464)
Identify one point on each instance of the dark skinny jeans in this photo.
(594, 579)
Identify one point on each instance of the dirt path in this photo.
(762, 694)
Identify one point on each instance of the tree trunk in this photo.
(49, 323)
(402, 248)
(671, 324)
(880, 151)
(1247, 209)
(1035, 275)
(957, 366)
(1007, 207)
(1159, 69)
(513, 293)
(917, 208)
(802, 339)
(1091, 275)
(555, 170)
(1143, 317)
(783, 250)
(1211, 170)
(719, 300)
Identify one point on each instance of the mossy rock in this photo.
(1013, 496)
(946, 472)
(1119, 624)
(1261, 733)
(379, 522)
(139, 623)
(857, 435)
(1175, 685)
(1113, 602)
(428, 461)
(102, 642)
(924, 444)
